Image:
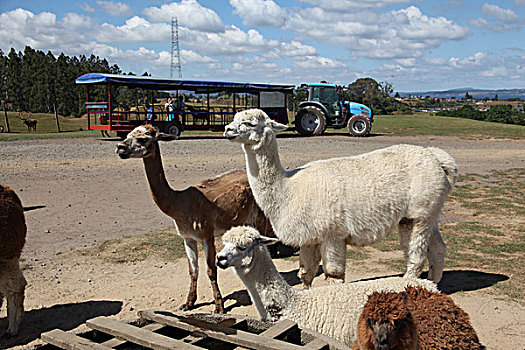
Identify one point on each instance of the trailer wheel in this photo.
(174, 129)
(310, 121)
(359, 125)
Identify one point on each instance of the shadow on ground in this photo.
(65, 317)
(466, 280)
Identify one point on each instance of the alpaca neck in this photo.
(163, 195)
(263, 163)
(269, 292)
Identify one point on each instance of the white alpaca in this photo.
(331, 310)
(326, 204)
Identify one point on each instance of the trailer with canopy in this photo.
(199, 105)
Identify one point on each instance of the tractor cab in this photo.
(326, 94)
(325, 107)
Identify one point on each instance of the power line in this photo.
(175, 49)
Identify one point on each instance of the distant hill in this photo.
(503, 94)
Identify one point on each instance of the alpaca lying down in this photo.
(332, 310)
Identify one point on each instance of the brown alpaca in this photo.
(12, 238)
(202, 212)
(31, 123)
(414, 319)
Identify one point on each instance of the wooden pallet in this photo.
(165, 330)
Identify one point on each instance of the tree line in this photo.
(38, 82)
(498, 114)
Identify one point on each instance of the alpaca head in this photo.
(141, 142)
(386, 323)
(251, 127)
(239, 246)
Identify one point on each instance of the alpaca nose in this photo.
(222, 261)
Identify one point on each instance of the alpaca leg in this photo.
(405, 229)
(190, 246)
(209, 248)
(309, 258)
(436, 255)
(333, 253)
(418, 247)
(15, 300)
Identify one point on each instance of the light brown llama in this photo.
(201, 212)
(416, 319)
(12, 238)
(31, 123)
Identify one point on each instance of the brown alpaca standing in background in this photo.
(201, 212)
(416, 319)
(12, 238)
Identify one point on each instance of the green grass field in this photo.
(396, 125)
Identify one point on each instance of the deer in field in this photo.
(31, 123)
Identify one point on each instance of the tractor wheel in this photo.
(174, 129)
(310, 121)
(359, 125)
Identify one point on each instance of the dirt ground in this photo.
(78, 193)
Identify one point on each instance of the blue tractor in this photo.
(325, 108)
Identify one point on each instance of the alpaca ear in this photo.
(268, 240)
(166, 137)
(275, 126)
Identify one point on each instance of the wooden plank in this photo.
(114, 342)
(70, 341)
(279, 328)
(317, 344)
(219, 332)
(137, 335)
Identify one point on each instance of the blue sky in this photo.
(415, 45)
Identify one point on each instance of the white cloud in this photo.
(189, 56)
(296, 48)
(19, 28)
(395, 34)
(468, 62)
(259, 12)
(135, 29)
(114, 8)
(189, 13)
(233, 41)
(504, 15)
(350, 5)
(73, 19)
(483, 23)
(407, 62)
(317, 62)
(415, 25)
(495, 72)
(86, 8)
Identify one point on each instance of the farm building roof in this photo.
(178, 84)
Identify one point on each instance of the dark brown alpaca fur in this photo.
(12, 224)
(414, 319)
(12, 238)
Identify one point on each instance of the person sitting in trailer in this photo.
(179, 105)
(170, 108)
(150, 115)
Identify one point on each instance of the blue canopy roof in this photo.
(177, 84)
